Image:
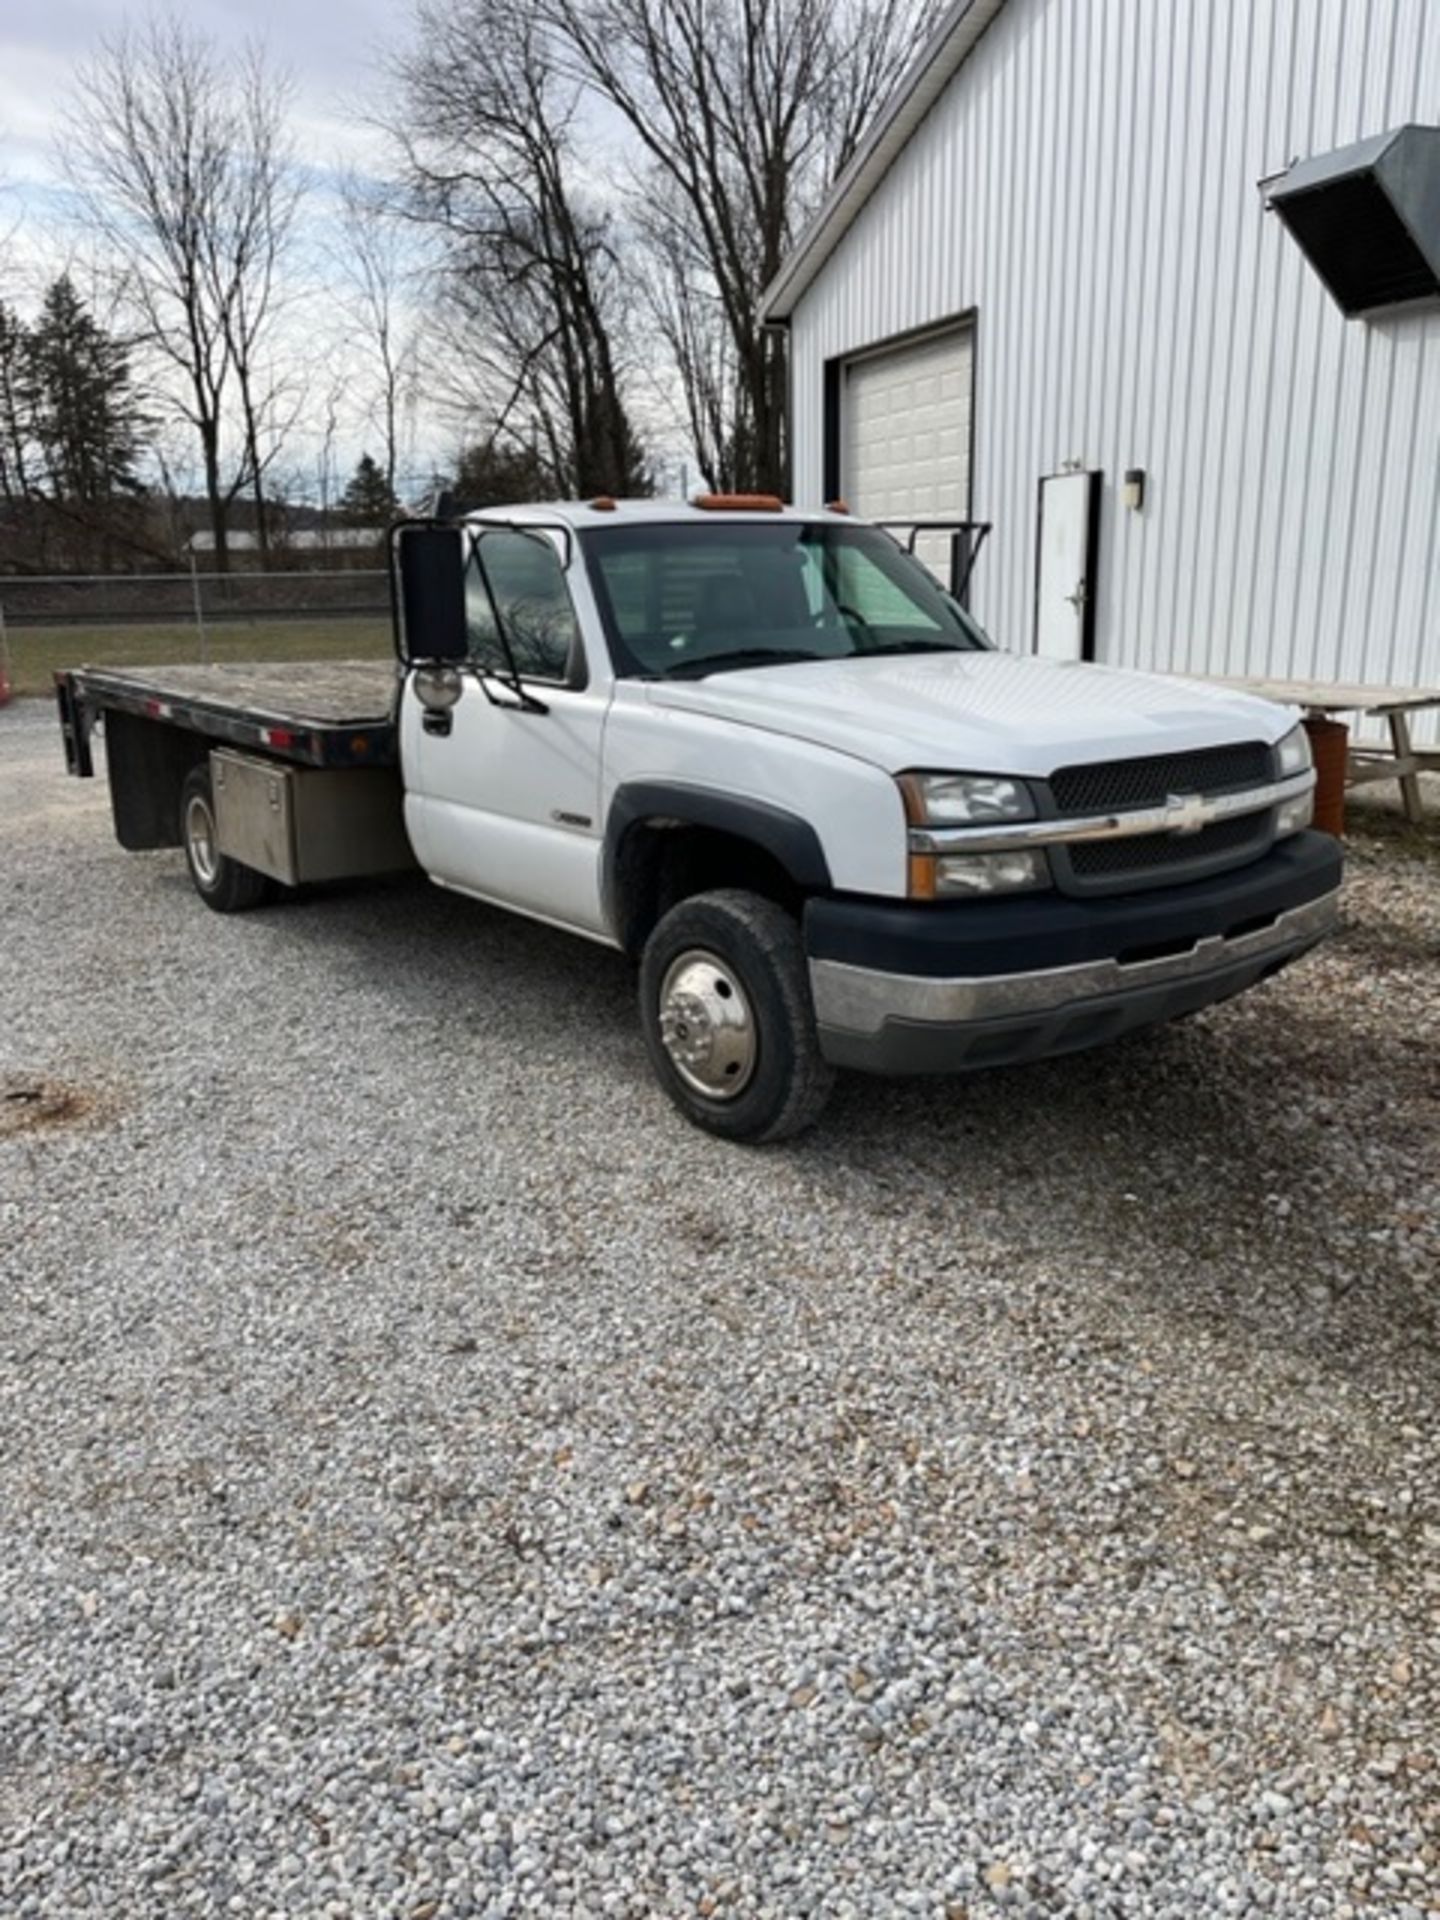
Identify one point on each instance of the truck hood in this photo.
(987, 712)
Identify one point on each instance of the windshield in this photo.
(684, 601)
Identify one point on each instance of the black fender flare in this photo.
(785, 836)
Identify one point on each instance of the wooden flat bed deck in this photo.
(322, 713)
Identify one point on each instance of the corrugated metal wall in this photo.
(1088, 184)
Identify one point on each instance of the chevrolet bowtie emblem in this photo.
(1187, 812)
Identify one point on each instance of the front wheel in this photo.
(222, 883)
(725, 1002)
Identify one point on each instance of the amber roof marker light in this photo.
(738, 503)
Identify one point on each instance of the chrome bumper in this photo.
(902, 1022)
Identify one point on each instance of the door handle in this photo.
(437, 722)
(1081, 594)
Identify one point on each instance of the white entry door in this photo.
(1065, 590)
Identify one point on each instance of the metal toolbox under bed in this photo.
(308, 823)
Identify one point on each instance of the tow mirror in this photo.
(429, 584)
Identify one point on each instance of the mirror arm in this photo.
(522, 693)
(528, 701)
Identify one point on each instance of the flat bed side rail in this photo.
(83, 694)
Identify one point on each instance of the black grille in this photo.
(1119, 785)
(1148, 852)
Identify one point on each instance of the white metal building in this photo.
(1052, 265)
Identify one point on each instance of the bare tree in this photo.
(249, 256)
(746, 112)
(375, 263)
(487, 136)
(327, 481)
(690, 319)
(184, 164)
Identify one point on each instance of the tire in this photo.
(725, 1004)
(222, 883)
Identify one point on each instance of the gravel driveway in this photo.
(436, 1481)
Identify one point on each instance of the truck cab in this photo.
(766, 753)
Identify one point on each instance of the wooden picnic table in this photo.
(1404, 763)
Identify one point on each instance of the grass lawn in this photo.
(35, 652)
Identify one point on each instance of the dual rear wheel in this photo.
(222, 883)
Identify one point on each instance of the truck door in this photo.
(503, 786)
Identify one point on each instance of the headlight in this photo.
(1292, 754)
(964, 799)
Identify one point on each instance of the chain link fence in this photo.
(56, 600)
(49, 622)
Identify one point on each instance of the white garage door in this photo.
(905, 434)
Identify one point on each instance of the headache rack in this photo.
(966, 539)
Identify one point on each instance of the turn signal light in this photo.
(922, 876)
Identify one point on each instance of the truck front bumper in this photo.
(901, 988)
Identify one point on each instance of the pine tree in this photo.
(369, 500)
(84, 415)
(502, 476)
(16, 449)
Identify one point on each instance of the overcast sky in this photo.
(329, 48)
(332, 51)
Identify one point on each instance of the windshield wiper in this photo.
(739, 657)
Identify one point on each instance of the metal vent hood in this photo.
(1367, 218)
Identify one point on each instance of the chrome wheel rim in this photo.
(706, 1025)
(200, 840)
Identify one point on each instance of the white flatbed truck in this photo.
(765, 753)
